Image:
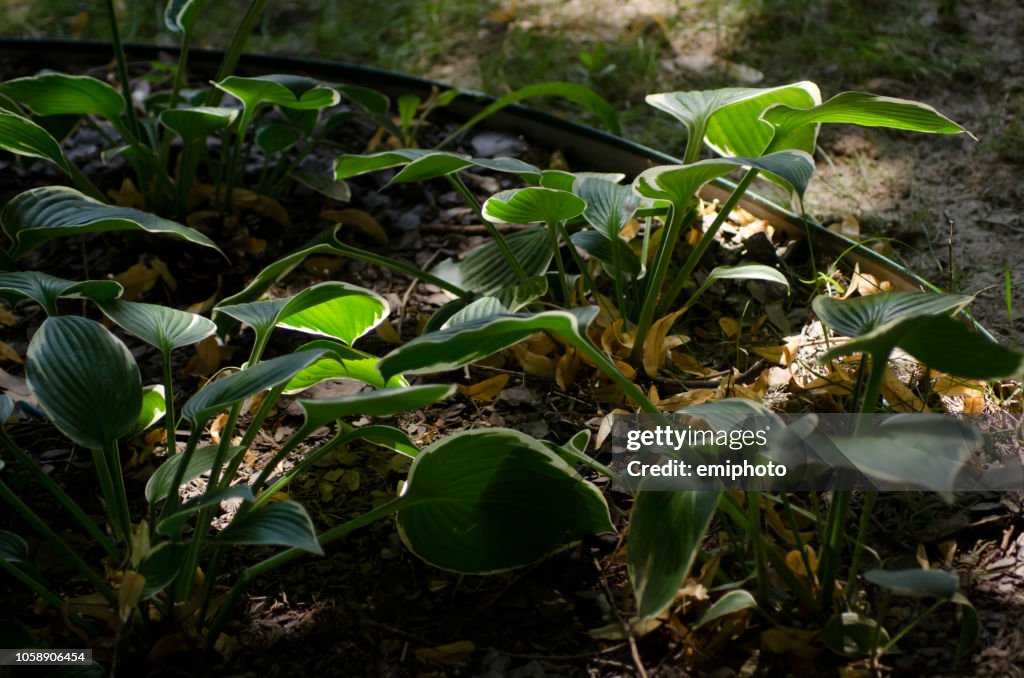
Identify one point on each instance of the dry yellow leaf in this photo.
(451, 654)
(658, 343)
(127, 196)
(160, 267)
(487, 389)
(533, 363)
(205, 360)
(129, 593)
(137, 280)
(566, 368)
(361, 220)
(899, 395)
(6, 317)
(7, 352)
(205, 305)
(787, 640)
(730, 326)
(948, 385)
(775, 522)
(387, 332)
(325, 266)
(604, 429)
(687, 363)
(688, 399)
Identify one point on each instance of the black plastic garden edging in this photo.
(584, 147)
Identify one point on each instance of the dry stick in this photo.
(626, 628)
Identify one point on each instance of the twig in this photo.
(408, 293)
(626, 628)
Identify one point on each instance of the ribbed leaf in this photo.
(484, 270)
(180, 15)
(597, 245)
(288, 91)
(159, 485)
(679, 183)
(491, 500)
(665, 534)
(859, 315)
(860, 108)
(340, 362)
(44, 289)
(228, 391)
(324, 411)
(160, 326)
(950, 346)
(283, 523)
(533, 204)
(198, 122)
(741, 272)
(464, 344)
(85, 379)
(731, 603)
(154, 407)
(22, 136)
(60, 94)
(40, 214)
(610, 205)
(737, 129)
(351, 165)
(481, 308)
(333, 309)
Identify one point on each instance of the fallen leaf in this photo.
(687, 363)
(787, 640)
(137, 280)
(898, 395)
(566, 368)
(325, 266)
(6, 317)
(165, 273)
(7, 352)
(487, 389)
(129, 594)
(364, 221)
(658, 343)
(534, 364)
(730, 326)
(386, 331)
(205, 360)
(687, 399)
(127, 196)
(451, 654)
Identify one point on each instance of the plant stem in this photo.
(84, 183)
(234, 51)
(559, 264)
(754, 511)
(584, 271)
(862, 535)
(601, 361)
(122, 70)
(705, 241)
(46, 594)
(456, 181)
(106, 481)
(655, 278)
(54, 489)
(173, 500)
(66, 551)
(120, 493)
(411, 271)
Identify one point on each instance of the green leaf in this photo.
(180, 15)
(340, 362)
(484, 269)
(464, 344)
(927, 583)
(860, 108)
(440, 163)
(533, 204)
(13, 549)
(161, 567)
(610, 205)
(198, 122)
(154, 407)
(283, 523)
(324, 411)
(59, 94)
(597, 245)
(737, 129)
(224, 393)
(160, 326)
(350, 165)
(860, 315)
(665, 534)
(287, 91)
(276, 137)
(159, 485)
(521, 294)
(740, 272)
(580, 95)
(23, 137)
(853, 635)
(332, 309)
(950, 346)
(85, 379)
(481, 308)
(491, 500)
(6, 409)
(731, 603)
(679, 183)
(40, 214)
(324, 185)
(44, 289)
(970, 625)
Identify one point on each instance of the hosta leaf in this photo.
(180, 15)
(731, 603)
(173, 523)
(61, 94)
(160, 326)
(351, 165)
(485, 270)
(533, 204)
(491, 500)
(860, 108)
(22, 136)
(860, 315)
(950, 346)
(931, 583)
(474, 340)
(440, 163)
(159, 485)
(340, 362)
(737, 129)
(598, 245)
(228, 391)
(284, 523)
(154, 407)
(288, 91)
(519, 295)
(610, 205)
(740, 272)
(85, 379)
(665, 534)
(277, 137)
(13, 549)
(324, 185)
(198, 122)
(679, 183)
(323, 411)
(333, 309)
(40, 214)
(481, 308)
(44, 289)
